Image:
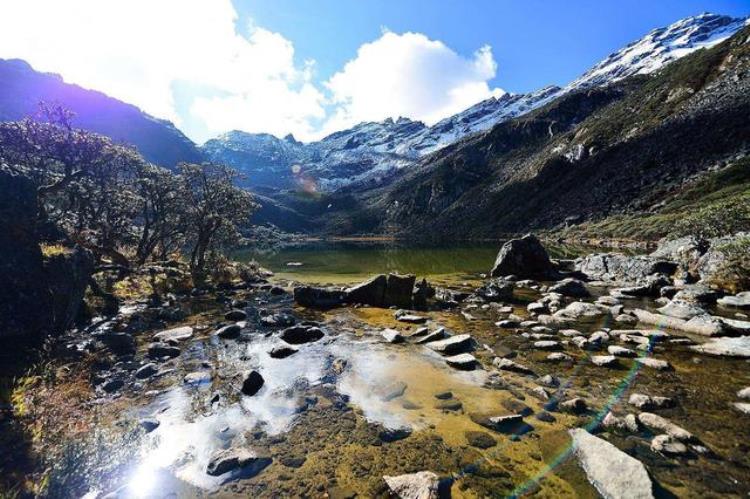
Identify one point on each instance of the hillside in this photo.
(22, 89)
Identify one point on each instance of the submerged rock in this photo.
(612, 472)
(422, 485)
(224, 461)
(158, 350)
(314, 297)
(281, 352)
(297, 335)
(252, 383)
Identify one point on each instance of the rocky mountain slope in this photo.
(370, 153)
(22, 88)
(587, 154)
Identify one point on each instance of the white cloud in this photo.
(138, 50)
(135, 49)
(409, 75)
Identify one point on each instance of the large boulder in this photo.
(399, 290)
(616, 267)
(525, 258)
(314, 297)
(371, 292)
(68, 274)
(612, 472)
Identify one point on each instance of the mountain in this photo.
(22, 88)
(369, 154)
(593, 152)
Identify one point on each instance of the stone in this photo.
(422, 485)
(175, 334)
(665, 444)
(743, 407)
(236, 315)
(224, 461)
(158, 350)
(411, 319)
(230, 331)
(648, 403)
(626, 319)
(452, 345)
(598, 337)
(623, 424)
(619, 351)
(579, 309)
(252, 383)
(573, 288)
(549, 381)
(419, 332)
(744, 393)
(392, 391)
(399, 289)
(113, 385)
(462, 361)
(726, 347)
(740, 300)
(507, 423)
(681, 309)
(436, 335)
(315, 297)
(612, 472)
(480, 439)
(658, 364)
(617, 267)
(371, 292)
(702, 325)
(604, 360)
(149, 424)
(507, 324)
(197, 378)
(444, 395)
(392, 336)
(448, 405)
(497, 290)
(297, 335)
(656, 423)
(536, 308)
(509, 365)
(575, 406)
(146, 371)
(525, 258)
(547, 345)
(559, 357)
(281, 352)
(278, 320)
(118, 343)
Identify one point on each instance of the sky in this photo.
(312, 67)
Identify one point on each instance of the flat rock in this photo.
(175, 334)
(224, 461)
(197, 378)
(392, 391)
(612, 472)
(619, 351)
(579, 309)
(658, 364)
(392, 336)
(604, 360)
(436, 335)
(681, 309)
(656, 423)
(506, 423)
(575, 405)
(648, 402)
(509, 365)
(559, 357)
(740, 300)
(665, 444)
(411, 319)
(547, 345)
(146, 371)
(727, 347)
(422, 485)
(743, 407)
(452, 345)
(463, 361)
(570, 287)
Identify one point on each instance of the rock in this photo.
(224, 461)
(236, 315)
(118, 343)
(146, 371)
(618, 351)
(547, 345)
(559, 357)
(626, 319)
(480, 439)
(252, 383)
(314, 297)
(612, 472)
(297, 335)
(449, 405)
(570, 287)
(659, 424)
(463, 361)
(231, 331)
(444, 395)
(549, 381)
(507, 324)
(744, 393)
(579, 309)
(665, 444)
(149, 424)
(392, 336)
(399, 289)
(525, 258)
(281, 352)
(113, 385)
(575, 405)
(681, 309)
(394, 434)
(392, 391)
(508, 423)
(658, 364)
(509, 365)
(370, 292)
(628, 423)
(740, 300)
(158, 350)
(497, 290)
(411, 319)
(604, 360)
(197, 378)
(598, 337)
(616, 267)
(648, 403)
(422, 485)
(452, 345)
(176, 334)
(536, 308)
(726, 347)
(436, 335)
(278, 320)
(698, 325)
(743, 407)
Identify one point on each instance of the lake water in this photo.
(347, 261)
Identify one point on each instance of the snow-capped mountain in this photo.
(370, 151)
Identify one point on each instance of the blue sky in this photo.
(535, 42)
(314, 67)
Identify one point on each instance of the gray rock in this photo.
(370, 292)
(224, 461)
(411, 319)
(452, 345)
(230, 331)
(559, 357)
(616, 267)
(392, 336)
(549, 380)
(507, 324)
(314, 297)
(175, 334)
(579, 309)
(656, 423)
(463, 361)
(158, 350)
(575, 405)
(726, 347)
(392, 391)
(648, 403)
(507, 423)
(627, 424)
(612, 472)
(422, 485)
(665, 444)
(740, 300)
(149, 424)
(399, 290)
(744, 393)
(743, 407)
(525, 258)
(547, 345)
(236, 315)
(570, 287)
(281, 352)
(604, 360)
(658, 364)
(681, 309)
(509, 365)
(626, 319)
(436, 335)
(146, 371)
(197, 378)
(497, 290)
(703, 325)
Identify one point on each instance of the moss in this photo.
(50, 250)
